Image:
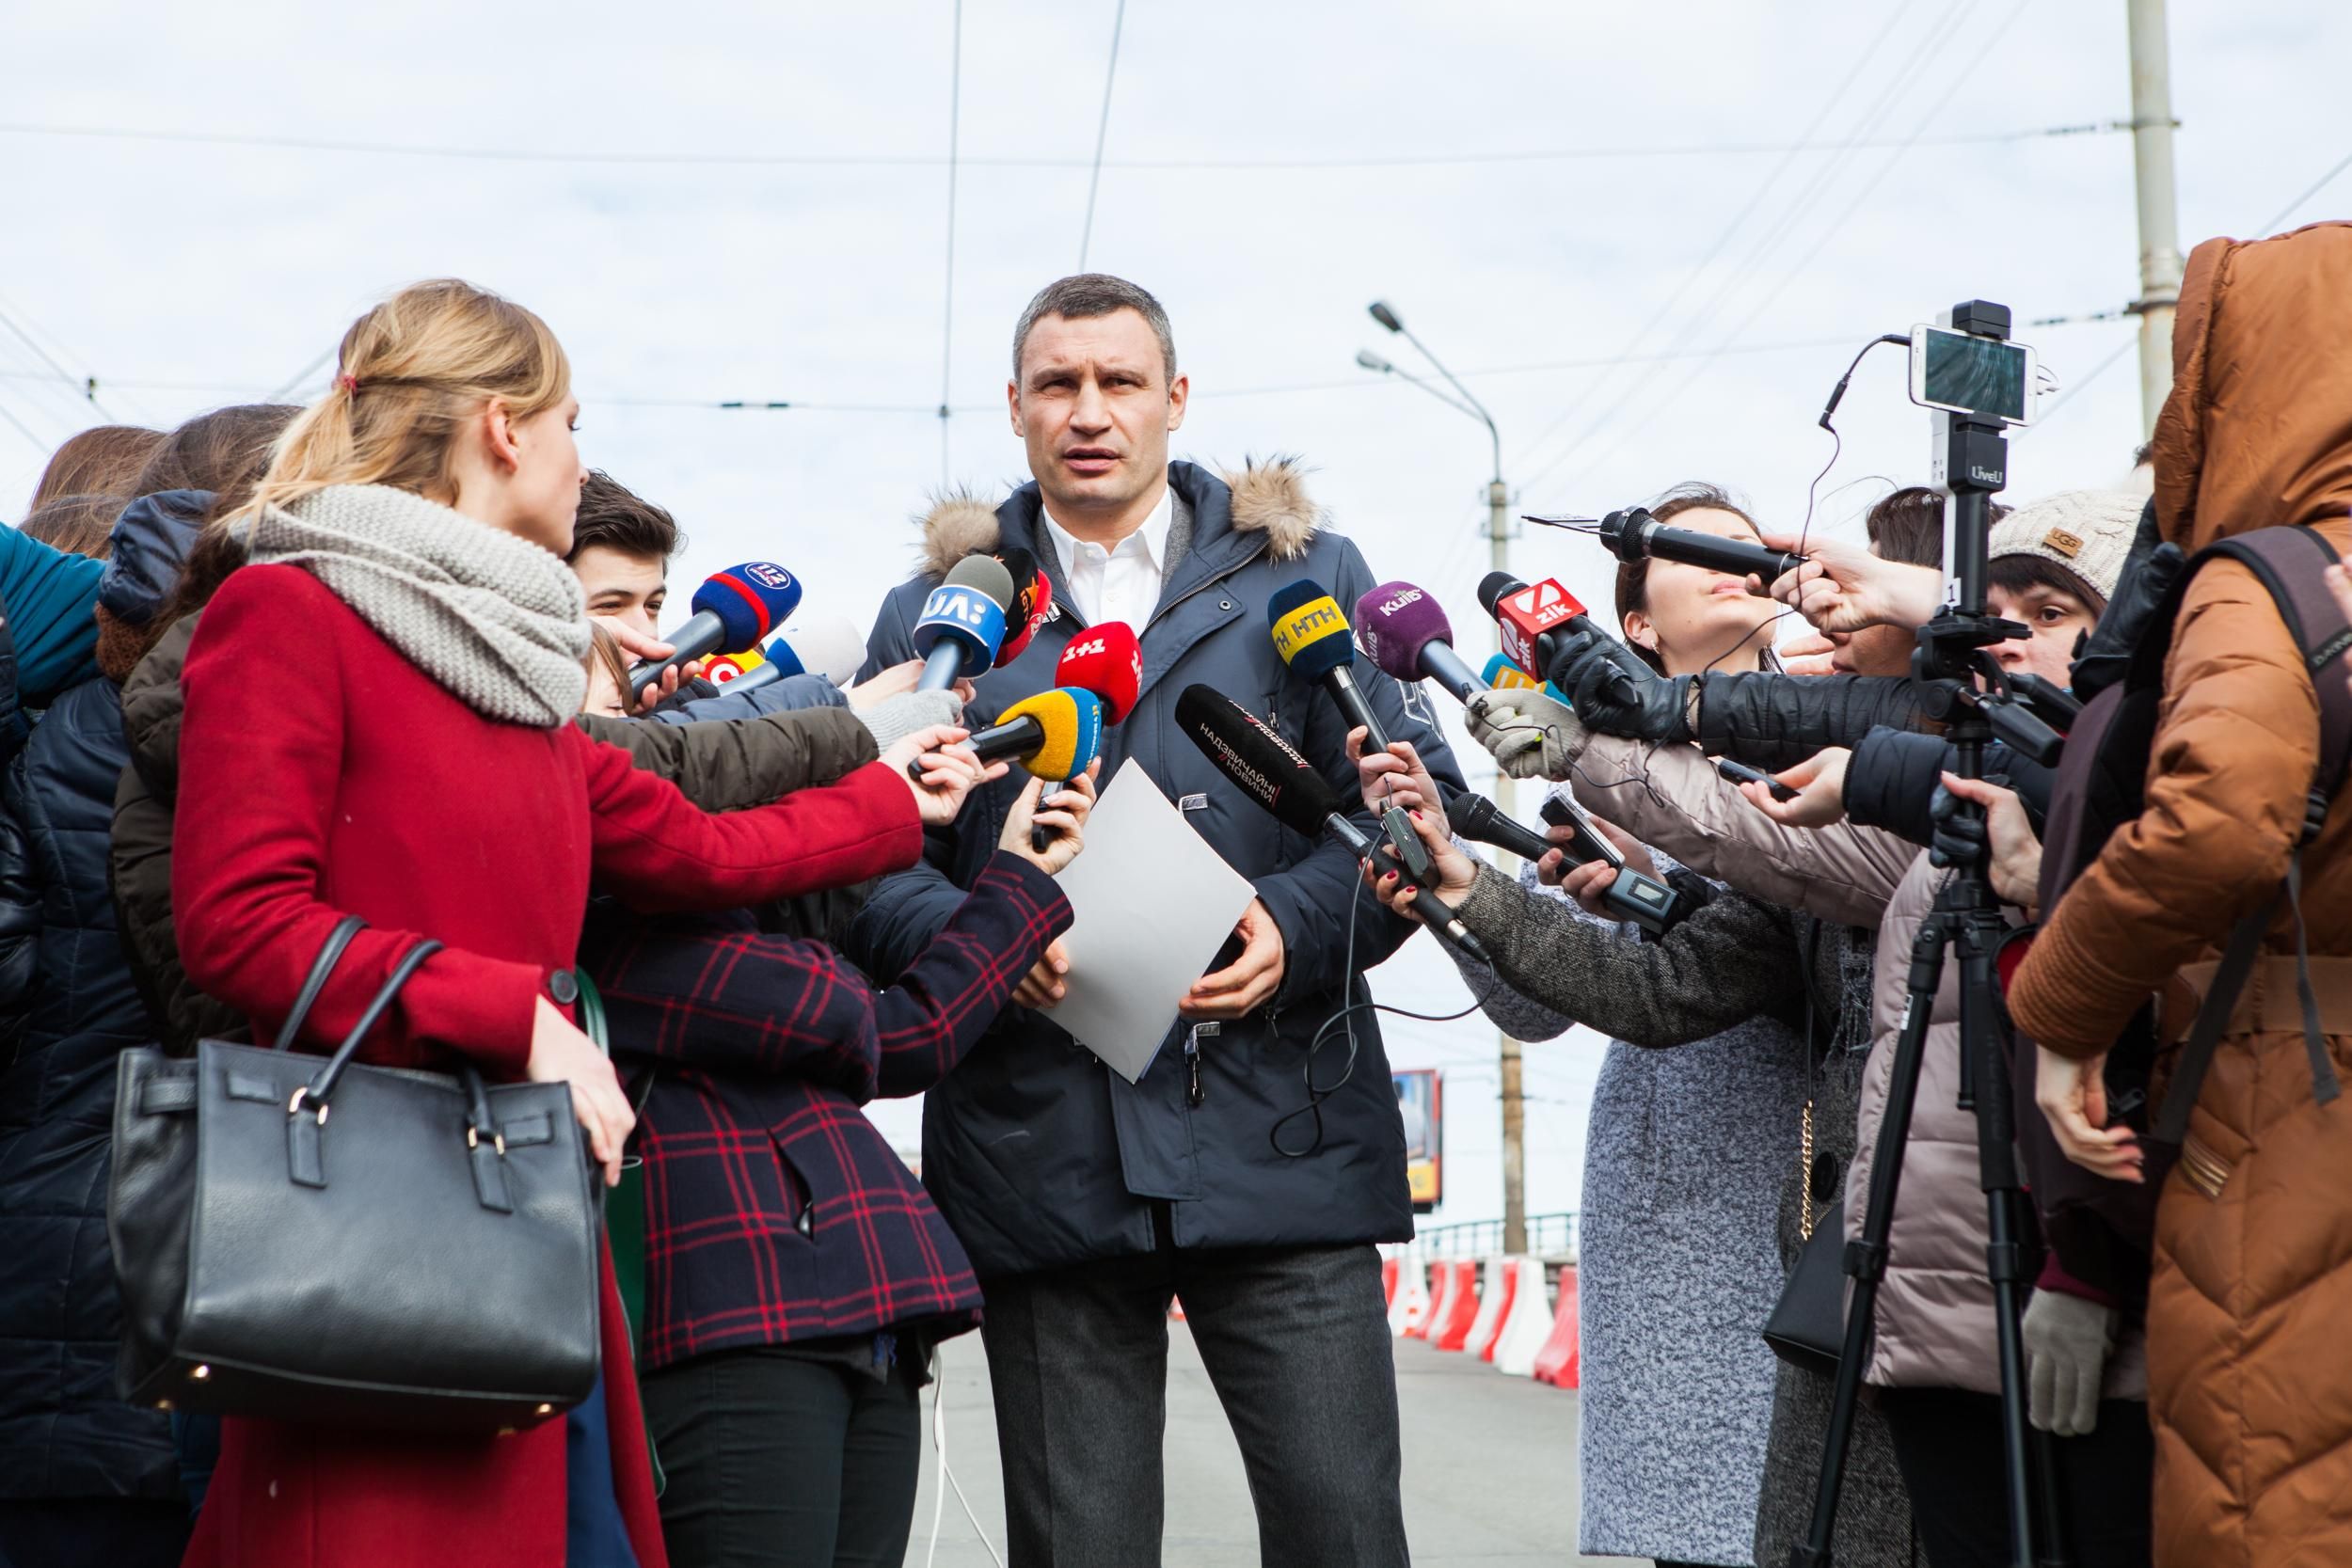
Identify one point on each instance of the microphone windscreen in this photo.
(1072, 721)
(1106, 660)
(985, 574)
(1394, 622)
(1493, 586)
(1310, 632)
(1032, 603)
(1259, 761)
(826, 645)
(750, 601)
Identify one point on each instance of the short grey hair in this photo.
(1094, 294)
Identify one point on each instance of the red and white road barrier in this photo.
(1387, 1280)
(1561, 1362)
(1441, 1299)
(1409, 1307)
(1461, 1307)
(1526, 1322)
(1494, 1305)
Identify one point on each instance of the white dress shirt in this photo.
(1122, 584)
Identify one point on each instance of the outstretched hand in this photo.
(1843, 588)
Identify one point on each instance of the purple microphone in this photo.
(1404, 630)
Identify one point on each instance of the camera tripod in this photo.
(1965, 919)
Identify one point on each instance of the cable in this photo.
(1763, 188)
(1102, 131)
(939, 1446)
(948, 310)
(1792, 212)
(2268, 228)
(885, 160)
(22, 429)
(84, 387)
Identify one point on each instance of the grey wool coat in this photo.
(1734, 963)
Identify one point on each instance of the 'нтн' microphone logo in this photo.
(1315, 618)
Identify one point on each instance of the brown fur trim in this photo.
(956, 523)
(1271, 498)
(121, 645)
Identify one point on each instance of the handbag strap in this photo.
(337, 940)
(321, 1085)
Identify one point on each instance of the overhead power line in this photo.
(1102, 134)
(920, 160)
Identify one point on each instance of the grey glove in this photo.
(893, 718)
(2068, 1340)
(1529, 733)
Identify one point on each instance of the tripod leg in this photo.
(2048, 1520)
(2005, 1249)
(1866, 1255)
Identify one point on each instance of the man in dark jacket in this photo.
(1084, 1201)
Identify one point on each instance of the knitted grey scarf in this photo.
(497, 621)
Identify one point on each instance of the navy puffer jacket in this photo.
(64, 1432)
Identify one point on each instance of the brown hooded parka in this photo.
(2250, 1366)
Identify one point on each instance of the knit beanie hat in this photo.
(2088, 532)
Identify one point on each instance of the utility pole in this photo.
(1507, 791)
(2160, 226)
(1499, 547)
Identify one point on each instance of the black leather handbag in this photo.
(425, 1260)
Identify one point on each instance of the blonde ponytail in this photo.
(410, 374)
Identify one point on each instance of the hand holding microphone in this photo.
(733, 610)
(939, 774)
(1615, 691)
(1049, 831)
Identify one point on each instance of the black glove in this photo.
(1957, 841)
(2149, 572)
(1614, 692)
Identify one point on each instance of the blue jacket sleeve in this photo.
(788, 695)
(49, 595)
(907, 908)
(1310, 901)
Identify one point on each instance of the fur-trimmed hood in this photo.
(1268, 496)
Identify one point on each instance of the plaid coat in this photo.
(776, 1211)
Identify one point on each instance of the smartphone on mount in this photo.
(1988, 377)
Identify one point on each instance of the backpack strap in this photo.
(2288, 562)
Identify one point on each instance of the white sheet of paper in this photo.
(1151, 904)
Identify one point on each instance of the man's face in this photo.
(1094, 406)
(631, 589)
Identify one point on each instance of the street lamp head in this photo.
(1385, 316)
(1372, 362)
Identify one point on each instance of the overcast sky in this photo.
(183, 273)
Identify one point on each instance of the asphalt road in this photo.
(1489, 1467)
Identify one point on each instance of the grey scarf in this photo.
(497, 621)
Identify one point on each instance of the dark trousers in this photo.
(93, 1532)
(1296, 1344)
(778, 1462)
(1948, 1444)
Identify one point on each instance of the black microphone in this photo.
(1633, 533)
(1481, 821)
(1264, 767)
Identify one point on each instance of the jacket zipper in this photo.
(1192, 1065)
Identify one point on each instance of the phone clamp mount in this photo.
(1962, 686)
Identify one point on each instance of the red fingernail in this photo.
(1416, 816)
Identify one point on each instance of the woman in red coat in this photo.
(377, 723)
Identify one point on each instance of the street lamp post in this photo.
(1498, 555)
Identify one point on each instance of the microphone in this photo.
(1633, 533)
(1263, 766)
(1505, 676)
(1312, 636)
(1032, 603)
(1054, 734)
(1404, 631)
(1481, 821)
(963, 624)
(1526, 616)
(826, 645)
(1106, 660)
(733, 610)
